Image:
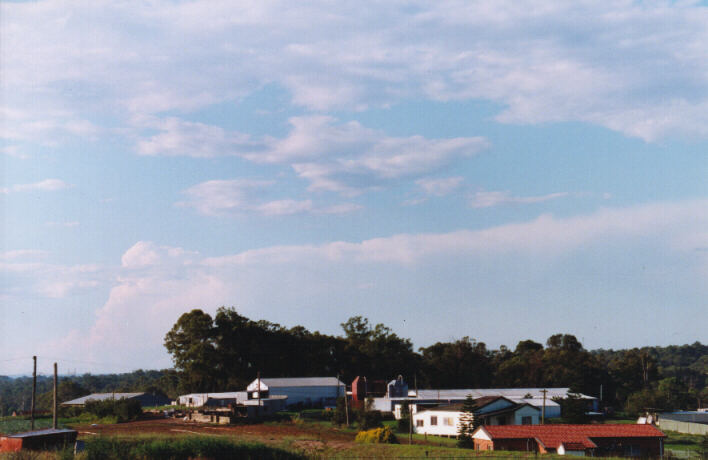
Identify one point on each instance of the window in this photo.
(433, 420)
(527, 420)
(448, 421)
(419, 422)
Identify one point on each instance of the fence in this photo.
(684, 427)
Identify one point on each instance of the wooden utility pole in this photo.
(346, 408)
(258, 407)
(410, 424)
(543, 412)
(54, 417)
(34, 391)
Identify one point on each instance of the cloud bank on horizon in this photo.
(453, 164)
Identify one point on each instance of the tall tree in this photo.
(469, 421)
(191, 344)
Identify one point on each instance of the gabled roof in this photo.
(552, 436)
(481, 403)
(101, 397)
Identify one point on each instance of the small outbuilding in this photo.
(48, 439)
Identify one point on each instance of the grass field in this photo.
(162, 438)
(680, 441)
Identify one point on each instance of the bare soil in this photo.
(308, 434)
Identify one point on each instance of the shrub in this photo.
(377, 436)
(182, 449)
(122, 409)
(368, 419)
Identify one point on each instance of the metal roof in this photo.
(47, 431)
(101, 397)
(515, 394)
(555, 435)
(300, 382)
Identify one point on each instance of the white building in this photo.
(445, 420)
(431, 398)
(308, 391)
(200, 399)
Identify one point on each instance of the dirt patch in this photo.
(268, 433)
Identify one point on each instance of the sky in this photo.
(503, 170)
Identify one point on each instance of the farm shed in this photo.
(48, 439)
(145, 399)
(445, 420)
(619, 440)
(306, 391)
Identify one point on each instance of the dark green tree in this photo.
(191, 344)
(469, 421)
(404, 423)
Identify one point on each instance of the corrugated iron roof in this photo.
(552, 436)
(44, 432)
(301, 382)
(101, 397)
(533, 396)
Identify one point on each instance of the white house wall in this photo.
(442, 428)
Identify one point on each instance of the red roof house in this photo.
(597, 440)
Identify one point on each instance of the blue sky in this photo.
(502, 170)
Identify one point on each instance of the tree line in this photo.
(225, 352)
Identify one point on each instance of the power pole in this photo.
(34, 392)
(410, 424)
(54, 418)
(543, 412)
(346, 407)
(258, 407)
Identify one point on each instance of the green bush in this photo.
(377, 436)
(98, 448)
(122, 409)
(368, 419)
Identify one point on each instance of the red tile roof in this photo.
(552, 436)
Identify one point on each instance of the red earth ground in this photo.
(267, 433)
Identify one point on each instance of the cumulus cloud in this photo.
(636, 68)
(47, 185)
(332, 156)
(244, 196)
(488, 199)
(157, 283)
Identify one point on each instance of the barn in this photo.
(301, 391)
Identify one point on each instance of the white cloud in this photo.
(332, 156)
(439, 186)
(182, 138)
(637, 68)
(243, 196)
(25, 274)
(158, 283)
(47, 185)
(488, 199)
(349, 158)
